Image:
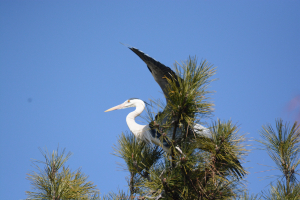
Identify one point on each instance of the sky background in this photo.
(62, 65)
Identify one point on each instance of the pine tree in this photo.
(208, 167)
(55, 181)
(283, 146)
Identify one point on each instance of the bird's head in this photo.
(132, 102)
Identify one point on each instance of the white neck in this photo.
(134, 127)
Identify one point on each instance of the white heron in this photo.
(147, 132)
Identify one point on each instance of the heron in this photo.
(148, 133)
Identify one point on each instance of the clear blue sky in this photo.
(62, 66)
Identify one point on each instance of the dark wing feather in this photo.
(157, 69)
(156, 134)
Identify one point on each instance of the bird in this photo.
(148, 133)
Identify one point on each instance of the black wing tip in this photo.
(136, 50)
(143, 55)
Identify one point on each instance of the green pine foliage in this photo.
(208, 168)
(55, 181)
(283, 146)
(187, 100)
(139, 157)
(117, 196)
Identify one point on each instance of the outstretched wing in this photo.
(158, 70)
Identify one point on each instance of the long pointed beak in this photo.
(115, 108)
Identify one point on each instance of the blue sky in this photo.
(62, 66)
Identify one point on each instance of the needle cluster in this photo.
(55, 181)
(283, 146)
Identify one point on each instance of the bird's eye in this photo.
(128, 101)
